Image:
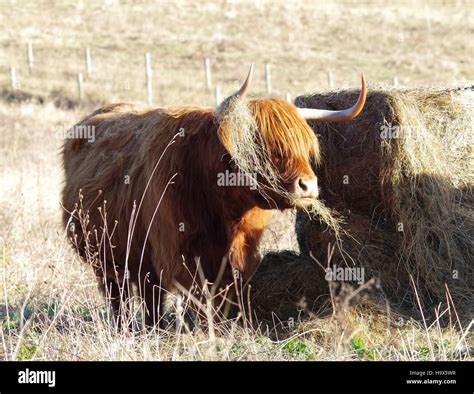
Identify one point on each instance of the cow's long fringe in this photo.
(240, 135)
(254, 131)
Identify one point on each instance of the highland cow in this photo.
(145, 202)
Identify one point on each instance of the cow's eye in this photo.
(278, 160)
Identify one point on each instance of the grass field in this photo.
(50, 308)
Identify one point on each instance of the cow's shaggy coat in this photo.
(142, 201)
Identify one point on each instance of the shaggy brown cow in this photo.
(160, 191)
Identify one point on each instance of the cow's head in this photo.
(269, 140)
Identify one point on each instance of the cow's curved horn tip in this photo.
(248, 81)
(251, 69)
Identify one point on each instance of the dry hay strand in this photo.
(402, 173)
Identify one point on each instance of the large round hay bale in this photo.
(400, 177)
(400, 135)
(402, 173)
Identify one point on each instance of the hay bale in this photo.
(361, 241)
(402, 173)
(286, 285)
(363, 166)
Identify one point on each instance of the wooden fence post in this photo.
(268, 78)
(13, 77)
(330, 79)
(149, 88)
(29, 55)
(88, 62)
(80, 86)
(207, 70)
(217, 95)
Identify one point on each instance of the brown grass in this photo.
(420, 43)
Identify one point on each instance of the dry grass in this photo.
(423, 43)
(56, 311)
(50, 307)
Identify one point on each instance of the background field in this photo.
(49, 305)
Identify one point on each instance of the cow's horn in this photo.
(324, 115)
(244, 89)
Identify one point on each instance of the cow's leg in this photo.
(208, 293)
(224, 293)
(151, 293)
(244, 258)
(118, 294)
(210, 300)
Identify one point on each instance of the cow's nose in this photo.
(306, 188)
